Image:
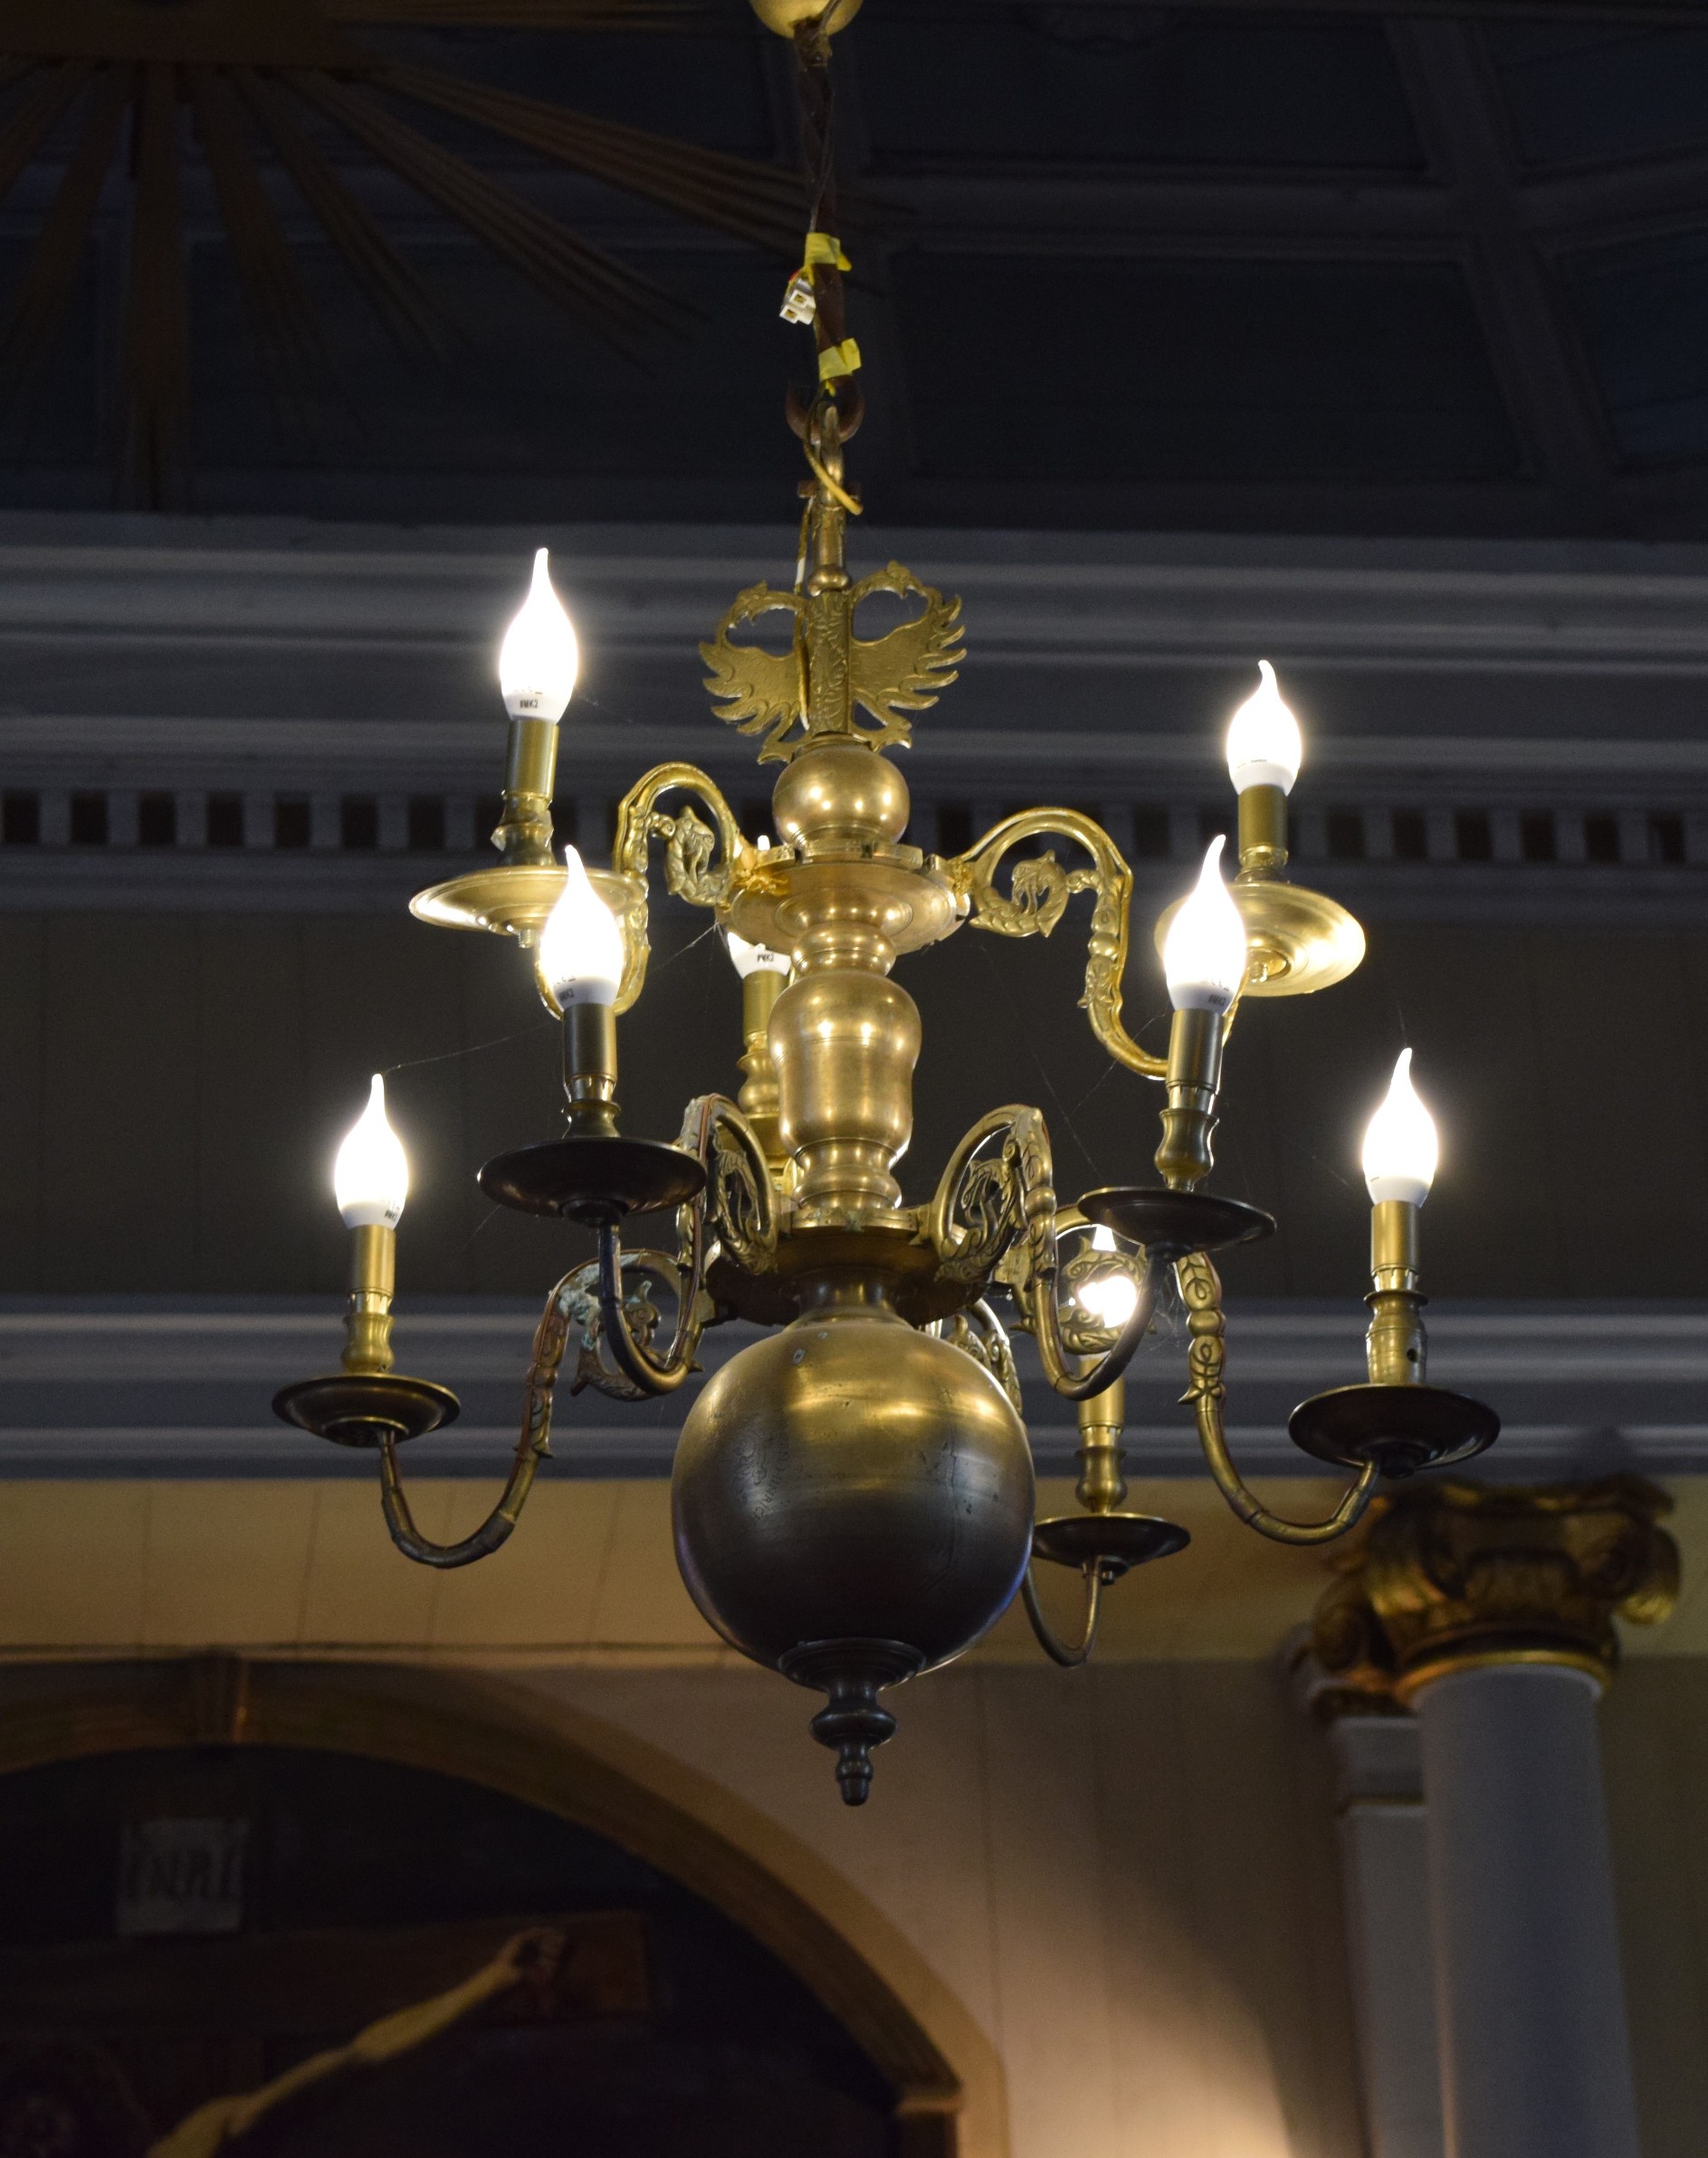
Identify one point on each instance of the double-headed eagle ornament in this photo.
(828, 671)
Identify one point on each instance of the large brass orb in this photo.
(787, 16)
(852, 1502)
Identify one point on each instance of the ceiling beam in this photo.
(1455, 103)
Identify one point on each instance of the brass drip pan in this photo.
(1300, 942)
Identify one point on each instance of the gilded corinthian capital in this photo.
(1451, 1576)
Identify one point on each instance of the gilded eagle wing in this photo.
(905, 671)
(754, 688)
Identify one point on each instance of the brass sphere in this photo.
(787, 16)
(849, 1480)
(838, 793)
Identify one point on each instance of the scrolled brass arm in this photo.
(1201, 1291)
(532, 1447)
(984, 1208)
(701, 862)
(1037, 896)
(737, 1208)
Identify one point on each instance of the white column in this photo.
(1384, 1866)
(1535, 2057)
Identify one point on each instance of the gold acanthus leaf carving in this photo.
(828, 675)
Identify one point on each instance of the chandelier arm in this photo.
(1057, 1650)
(1068, 1373)
(952, 1238)
(1201, 1291)
(532, 1447)
(1038, 893)
(652, 1375)
(707, 1116)
(691, 849)
(752, 1243)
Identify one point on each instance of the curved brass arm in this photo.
(1039, 892)
(1057, 1650)
(691, 849)
(981, 1210)
(1201, 1291)
(737, 1208)
(532, 1447)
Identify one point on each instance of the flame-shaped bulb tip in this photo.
(370, 1178)
(1204, 955)
(1264, 747)
(1401, 1147)
(539, 659)
(581, 943)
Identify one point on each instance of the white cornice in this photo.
(1103, 598)
(122, 1387)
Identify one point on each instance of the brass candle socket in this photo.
(1101, 1486)
(1263, 832)
(373, 1283)
(589, 1069)
(1396, 1345)
(367, 1403)
(1194, 1074)
(1398, 1420)
(524, 833)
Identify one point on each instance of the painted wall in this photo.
(1125, 1879)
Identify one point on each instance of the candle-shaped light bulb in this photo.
(1203, 953)
(754, 958)
(370, 1177)
(1108, 1298)
(1400, 1146)
(1264, 744)
(581, 944)
(539, 658)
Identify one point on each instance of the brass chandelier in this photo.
(853, 1494)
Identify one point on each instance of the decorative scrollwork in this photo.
(701, 863)
(644, 1275)
(997, 1216)
(979, 1212)
(691, 846)
(978, 1333)
(827, 671)
(739, 1200)
(1037, 896)
(1207, 1389)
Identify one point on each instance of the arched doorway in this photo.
(208, 1870)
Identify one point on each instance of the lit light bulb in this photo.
(1110, 1299)
(370, 1178)
(1400, 1146)
(1204, 952)
(1263, 747)
(581, 944)
(754, 958)
(539, 658)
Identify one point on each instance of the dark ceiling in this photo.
(1188, 268)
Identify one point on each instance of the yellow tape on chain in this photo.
(838, 359)
(824, 247)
